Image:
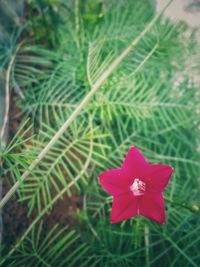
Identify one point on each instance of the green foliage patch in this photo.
(139, 104)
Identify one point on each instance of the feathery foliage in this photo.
(57, 248)
(140, 104)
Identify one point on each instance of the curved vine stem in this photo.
(7, 96)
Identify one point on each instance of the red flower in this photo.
(137, 188)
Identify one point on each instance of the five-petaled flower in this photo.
(137, 188)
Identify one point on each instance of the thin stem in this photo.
(53, 201)
(77, 19)
(87, 68)
(88, 222)
(143, 62)
(41, 260)
(146, 241)
(77, 23)
(84, 102)
(7, 97)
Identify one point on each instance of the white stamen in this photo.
(138, 187)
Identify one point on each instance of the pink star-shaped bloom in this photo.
(137, 188)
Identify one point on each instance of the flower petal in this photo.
(123, 208)
(115, 182)
(152, 206)
(134, 163)
(157, 177)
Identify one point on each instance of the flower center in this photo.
(138, 187)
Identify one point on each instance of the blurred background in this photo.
(52, 54)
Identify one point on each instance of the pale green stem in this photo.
(146, 241)
(7, 100)
(53, 201)
(77, 24)
(84, 102)
(43, 262)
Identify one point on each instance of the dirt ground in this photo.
(15, 219)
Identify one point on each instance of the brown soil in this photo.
(15, 218)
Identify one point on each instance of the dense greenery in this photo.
(61, 50)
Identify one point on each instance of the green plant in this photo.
(56, 248)
(135, 102)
